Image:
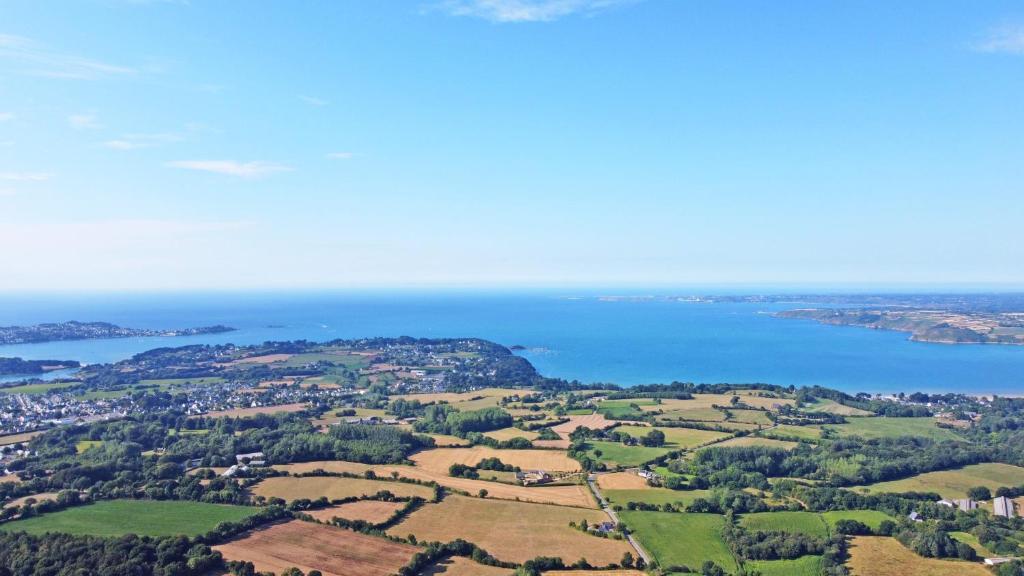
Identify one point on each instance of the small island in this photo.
(73, 330)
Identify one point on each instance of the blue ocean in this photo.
(574, 337)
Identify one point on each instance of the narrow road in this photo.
(592, 482)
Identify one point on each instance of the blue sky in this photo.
(208, 144)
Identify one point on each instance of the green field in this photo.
(833, 407)
(809, 523)
(871, 518)
(972, 541)
(882, 427)
(681, 539)
(676, 438)
(803, 566)
(627, 403)
(35, 388)
(655, 496)
(751, 417)
(786, 431)
(83, 445)
(172, 382)
(618, 454)
(697, 414)
(142, 517)
(954, 483)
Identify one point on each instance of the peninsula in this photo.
(73, 330)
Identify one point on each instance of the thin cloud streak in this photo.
(341, 155)
(1003, 40)
(39, 60)
(84, 121)
(25, 176)
(254, 169)
(139, 141)
(528, 10)
(313, 100)
(6, 116)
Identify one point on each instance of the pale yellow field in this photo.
(510, 433)
(754, 441)
(513, 531)
(440, 459)
(372, 511)
(18, 438)
(459, 566)
(445, 440)
(676, 438)
(41, 497)
(592, 421)
(621, 481)
(878, 556)
(954, 483)
(559, 444)
(572, 495)
(476, 400)
(311, 546)
(333, 488)
(243, 412)
(265, 359)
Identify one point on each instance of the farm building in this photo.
(528, 477)
(252, 459)
(1003, 506)
(966, 504)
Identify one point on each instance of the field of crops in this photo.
(809, 523)
(681, 539)
(955, 483)
(880, 427)
(142, 517)
(334, 488)
(310, 546)
(614, 454)
(514, 531)
(871, 518)
(803, 566)
(877, 556)
(676, 438)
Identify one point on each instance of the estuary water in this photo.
(582, 338)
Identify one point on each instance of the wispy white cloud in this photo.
(6, 116)
(137, 141)
(7, 192)
(341, 155)
(25, 176)
(84, 121)
(527, 10)
(313, 100)
(1007, 39)
(36, 59)
(232, 168)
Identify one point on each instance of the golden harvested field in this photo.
(476, 400)
(754, 441)
(243, 412)
(372, 511)
(459, 566)
(18, 438)
(879, 556)
(510, 433)
(310, 546)
(594, 573)
(440, 459)
(592, 421)
(325, 465)
(514, 531)
(444, 440)
(333, 488)
(10, 478)
(42, 496)
(558, 444)
(265, 359)
(573, 495)
(621, 481)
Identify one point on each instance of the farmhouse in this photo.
(1003, 506)
(647, 475)
(528, 477)
(996, 561)
(252, 459)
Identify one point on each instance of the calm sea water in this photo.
(584, 339)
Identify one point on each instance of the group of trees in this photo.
(445, 419)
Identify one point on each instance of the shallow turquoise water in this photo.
(584, 339)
